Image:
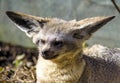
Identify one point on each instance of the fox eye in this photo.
(42, 41)
(58, 43)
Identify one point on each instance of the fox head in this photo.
(55, 37)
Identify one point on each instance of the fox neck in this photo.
(63, 70)
(72, 56)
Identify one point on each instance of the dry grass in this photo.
(17, 64)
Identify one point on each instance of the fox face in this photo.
(56, 38)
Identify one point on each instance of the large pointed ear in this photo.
(85, 28)
(27, 23)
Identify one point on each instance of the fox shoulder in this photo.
(99, 51)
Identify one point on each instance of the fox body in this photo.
(63, 57)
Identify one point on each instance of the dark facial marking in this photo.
(48, 54)
(42, 41)
(58, 44)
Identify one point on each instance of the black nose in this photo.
(45, 53)
(48, 54)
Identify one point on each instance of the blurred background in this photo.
(108, 35)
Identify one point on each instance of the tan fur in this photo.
(63, 57)
(67, 70)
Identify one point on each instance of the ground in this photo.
(17, 64)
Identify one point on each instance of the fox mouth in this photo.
(50, 56)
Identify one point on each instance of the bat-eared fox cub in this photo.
(63, 57)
